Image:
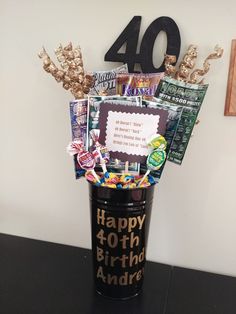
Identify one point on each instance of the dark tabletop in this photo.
(38, 277)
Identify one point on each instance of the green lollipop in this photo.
(154, 162)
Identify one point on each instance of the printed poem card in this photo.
(126, 129)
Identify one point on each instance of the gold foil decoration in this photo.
(169, 60)
(103, 93)
(187, 64)
(72, 73)
(194, 76)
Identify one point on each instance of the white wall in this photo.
(194, 214)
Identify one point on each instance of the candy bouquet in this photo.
(178, 92)
(124, 128)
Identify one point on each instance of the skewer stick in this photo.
(146, 174)
(95, 175)
(126, 167)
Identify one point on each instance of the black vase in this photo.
(120, 224)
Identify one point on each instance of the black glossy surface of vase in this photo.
(120, 224)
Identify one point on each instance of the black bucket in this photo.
(120, 224)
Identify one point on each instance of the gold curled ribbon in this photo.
(187, 63)
(169, 67)
(71, 73)
(194, 76)
(102, 93)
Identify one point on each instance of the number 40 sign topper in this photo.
(130, 36)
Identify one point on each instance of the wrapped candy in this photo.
(74, 147)
(129, 186)
(126, 178)
(148, 180)
(115, 181)
(138, 178)
(157, 141)
(109, 185)
(144, 184)
(151, 180)
(112, 178)
(85, 159)
(89, 176)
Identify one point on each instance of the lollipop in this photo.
(87, 162)
(85, 159)
(157, 141)
(154, 162)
